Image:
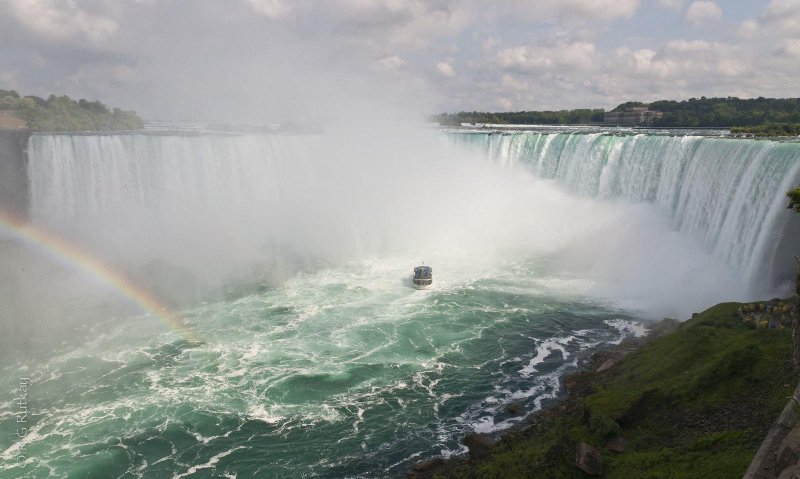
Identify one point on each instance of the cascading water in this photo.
(338, 367)
(728, 193)
(76, 176)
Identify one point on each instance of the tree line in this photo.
(62, 113)
(695, 112)
(560, 117)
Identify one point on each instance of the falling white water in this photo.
(728, 193)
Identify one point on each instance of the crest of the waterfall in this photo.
(729, 194)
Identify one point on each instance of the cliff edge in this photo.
(14, 187)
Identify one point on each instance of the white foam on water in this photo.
(210, 464)
(264, 414)
(544, 350)
(627, 329)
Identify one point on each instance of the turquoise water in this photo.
(345, 371)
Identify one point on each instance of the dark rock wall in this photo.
(14, 185)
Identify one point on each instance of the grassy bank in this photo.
(694, 403)
(768, 130)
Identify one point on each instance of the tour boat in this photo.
(423, 277)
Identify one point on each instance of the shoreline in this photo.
(546, 442)
(575, 387)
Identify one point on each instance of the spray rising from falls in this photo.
(207, 206)
(728, 193)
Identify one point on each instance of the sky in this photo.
(268, 60)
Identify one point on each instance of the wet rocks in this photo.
(588, 460)
(480, 445)
(515, 409)
(428, 465)
(618, 444)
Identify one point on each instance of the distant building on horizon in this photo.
(636, 116)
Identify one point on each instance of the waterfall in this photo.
(79, 175)
(727, 193)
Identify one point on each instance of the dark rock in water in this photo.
(589, 460)
(570, 382)
(515, 408)
(608, 364)
(479, 445)
(428, 464)
(617, 444)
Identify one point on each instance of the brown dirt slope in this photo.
(9, 121)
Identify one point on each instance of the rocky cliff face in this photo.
(14, 187)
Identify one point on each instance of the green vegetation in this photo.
(726, 112)
(694, 403)
(61, 113)
(603, 427)
(778, 116)
(770, 129)
(563, 117)
(794, 199)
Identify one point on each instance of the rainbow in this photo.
(67, 253)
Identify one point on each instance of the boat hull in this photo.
(423, 277)
(422, 284)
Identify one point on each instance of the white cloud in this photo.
(490, 44)
(645, 62)
(702, 11)
(777, 30)
(509, 82)
(390, 63)
(270, 8)
(504, 103)
(578, 9)
(783, 15)
(381, 22)
(516, 57)
(791, 47)
(445, 69)
(672, 4)
(684, 59)
(61, 20)
(748, 28)
(570, 56)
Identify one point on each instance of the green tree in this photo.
(794, 199)
(62, 113)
